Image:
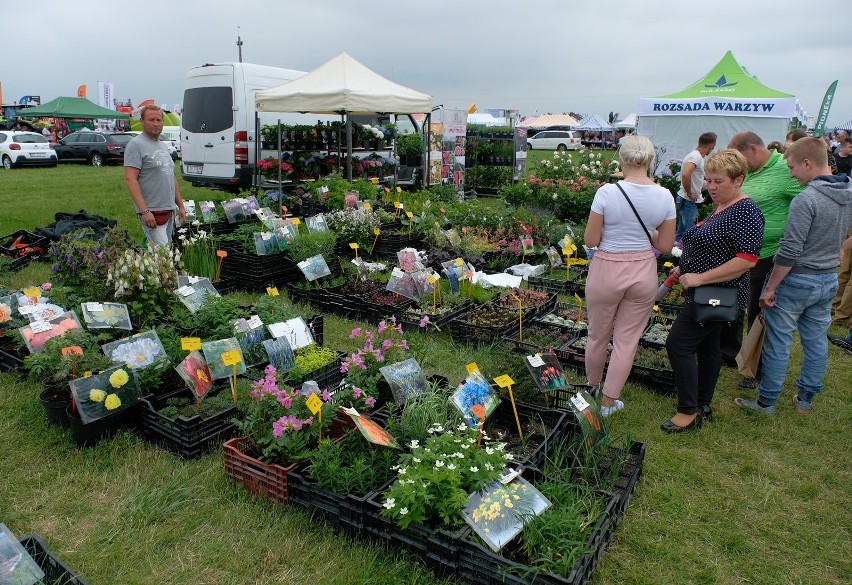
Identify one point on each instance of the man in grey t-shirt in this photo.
(149, 173)
(692, 182)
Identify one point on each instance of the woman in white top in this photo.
(622, 279)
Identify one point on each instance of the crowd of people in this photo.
(776, 247)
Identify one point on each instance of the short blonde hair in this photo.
(809, 148)
(637, 151)
(730, 162)
(148, 108)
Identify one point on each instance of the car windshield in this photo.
(28, 138)
(121, 138)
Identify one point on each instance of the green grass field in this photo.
(744, 500)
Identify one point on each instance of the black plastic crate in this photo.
(528, 347)
(189, 437)
(411, 321)
(463, 331)
(23, 244)
(655, 320)
(550, 285)
(56, 572)
(11, 361)
(660, 381)
(555, 426)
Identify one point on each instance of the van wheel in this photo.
(96, 160)
(561, 147)
(7, 162)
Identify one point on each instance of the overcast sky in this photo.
(538, 55)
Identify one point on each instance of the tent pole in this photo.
(339, 143)
(348, 148)
(280, 192)
(427, 148)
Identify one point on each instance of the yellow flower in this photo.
(118, 379)
(97, 395)
(112, 401)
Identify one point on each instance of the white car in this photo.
(25, 148)
(554, 140)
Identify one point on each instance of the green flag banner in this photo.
(823, 110)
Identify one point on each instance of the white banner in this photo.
(105, 93)
(718, 106)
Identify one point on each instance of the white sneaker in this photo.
(608, 410)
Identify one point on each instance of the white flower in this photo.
(439, 463)
(389, 503)
(414, 444)
(489, 451)
(474, 469)
(489, 467)
(507, 456)
(403, 471)
(462, 427)
(458, 455)
(416, 460)
(403, 511)
(451, 466)
(196, 223)
(500, 446)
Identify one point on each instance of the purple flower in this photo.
(285, 401)
(359, 361)
(380, 357)
(46, 287)
(382, 327)
(326, 395)
(278, 427)
(308, 421)
(355, 333)
(424, 321)
(270, 369)
(344, 367)
(370, 401)
(387, 343)
(356, 392)
(403, 344)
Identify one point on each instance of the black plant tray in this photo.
(557, 426)
(189, 437)
(654, 320)
(411, 321)
(56, 572)
(660, 381)
(11, 360)
(328, 376)
(22, 244)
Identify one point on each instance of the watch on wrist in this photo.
(144, 212)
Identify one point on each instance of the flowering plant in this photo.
(145, 279)
(354, 225)
(269, 166)
(199, 251)
(279, 423)
(435, 478)
(387, 343)
(670, 176)
(105, 393)
(81, 259)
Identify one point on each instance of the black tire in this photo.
(7, 162)
(96, 160)
(561, 147)
(529, 146)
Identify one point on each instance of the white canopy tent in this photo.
(346, 87)
(626, 123)
(726, 100)
(594, 123)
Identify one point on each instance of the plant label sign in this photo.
(32, 292)
(472, 367)
(314, 403)
(95, 307)
(40, 326)
(231, 358)
(190, 343)
(504, 381)
(272, 291)
(587, 413)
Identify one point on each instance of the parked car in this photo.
(170, 144)
(96, 148)
(554, 140)
(25, 148)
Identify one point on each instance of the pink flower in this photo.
(355, 333)
(359, 361)
(399, 328)
(380, 357)
(270, 369)
(278, 427)
(387, 343)
(285, 401)
(344, 367)
(424, 321)
(393, 319)
(368, 345)
(308, 421)
(46, 287)
(356, 392)
(326, 395)
(370, 401)
(403, 344)
(382, 326)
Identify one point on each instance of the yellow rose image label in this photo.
(112, 401)
(118, 378)
(202, 376)
(97, 395)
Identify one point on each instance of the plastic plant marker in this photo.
(505, 381)
(479, 412)
(190, 343)
(354, 246)
(296, 221)
(272, 291)
(87, 373)
(232, 358)
(662, 318)
(580, 307)
(668, 265)
(314, 403)
(32, 292)
(399, 189)
(367, 206)
(374, 181)
(472, 367)
(222, 254)
(437, 225)
(567, 252)
(443, 211)
(376, 231)
(72, 350)
(520, 317)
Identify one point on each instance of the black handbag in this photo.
(715, 304)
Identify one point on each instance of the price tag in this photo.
(272, 291)
(374, 181)
(72, 350)
(573, 248)
(432, 279)
(190, 343)
(566, 251)
(459, 262)
(399, 189)
(87, 374)
(396, 204)
(353, 245)
(222, 253)
(231, 358)
(296, 221)
(410, 214)
(314, 403)
(579, 402)
(254, 322)
(504, 381)
(377, 231)
(367, 206)
(33, 292)
(40, 326)
(265, 235)
(94, 307)
(668, 265)
(26, 309)
(472, 367)
(185, 290)
(535, 360)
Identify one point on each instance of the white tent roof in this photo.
(343, 85)
(593, 122)
(486, 119)
(847, 126)
(546, 120)
(627, 122)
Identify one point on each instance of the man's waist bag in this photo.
(715, 304)
(162, 217)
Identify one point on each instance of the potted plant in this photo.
(387, 344)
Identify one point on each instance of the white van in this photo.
(217, 135)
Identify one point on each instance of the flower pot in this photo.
(89, 435)
(54, 406)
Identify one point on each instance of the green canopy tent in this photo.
(725, 100)
(71, 107)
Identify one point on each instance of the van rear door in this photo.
(207, 139)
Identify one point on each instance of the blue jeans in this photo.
(687, 211)
(803, 302)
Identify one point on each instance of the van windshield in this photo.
(207, 110)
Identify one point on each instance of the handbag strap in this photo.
(636, 213)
